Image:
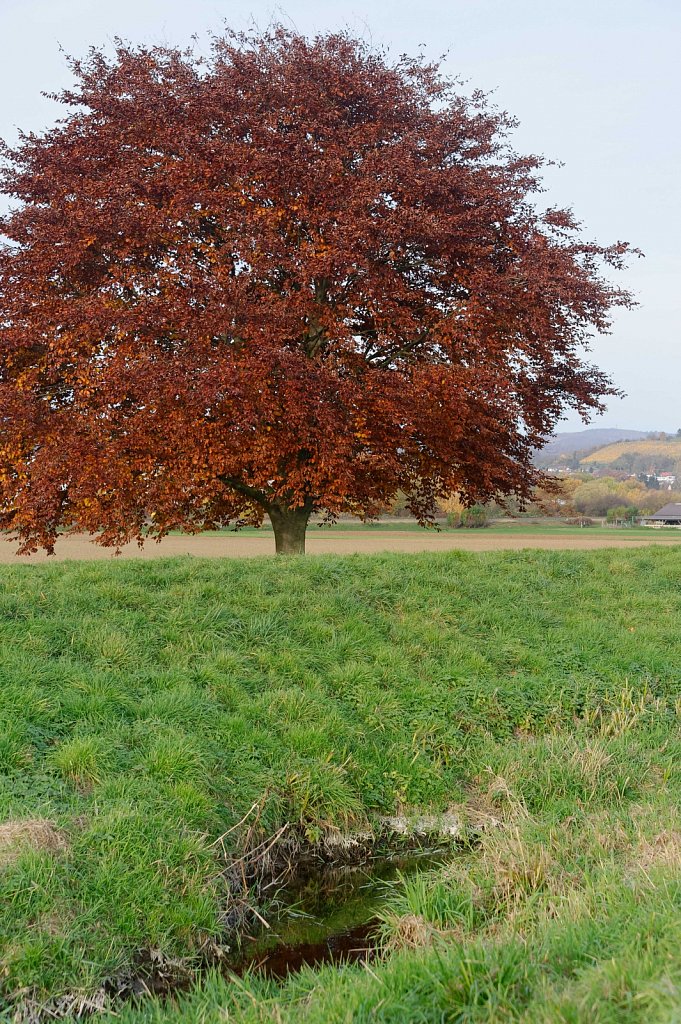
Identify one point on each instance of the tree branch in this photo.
(249, 492)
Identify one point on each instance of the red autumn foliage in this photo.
(293, 277)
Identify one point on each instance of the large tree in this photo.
(292, 278)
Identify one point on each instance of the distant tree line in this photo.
(573, 496)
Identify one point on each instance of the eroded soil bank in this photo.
(329, 913)
(301, 906)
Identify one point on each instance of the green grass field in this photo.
(522, 527)
(146, 706)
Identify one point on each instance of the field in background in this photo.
(145, 707)
(356, 538)
(669, 449)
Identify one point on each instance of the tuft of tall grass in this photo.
(81, 759)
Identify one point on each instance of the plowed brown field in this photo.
(234, 545)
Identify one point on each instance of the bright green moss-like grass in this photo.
(145, 706)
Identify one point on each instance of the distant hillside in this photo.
(583, 441)
(638, 455)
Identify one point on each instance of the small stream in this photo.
(328, 915)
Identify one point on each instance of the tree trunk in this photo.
(289, 525)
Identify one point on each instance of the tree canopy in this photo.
(292, 277)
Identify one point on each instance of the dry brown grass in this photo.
(20, 835)
(590, 760)
(410, 931)
(501, 795)
(624, 714)
(662, 851)
(479, 813)
(519, 868)
(602, 831)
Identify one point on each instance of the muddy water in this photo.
(328, 915)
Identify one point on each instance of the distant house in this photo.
(669, 515)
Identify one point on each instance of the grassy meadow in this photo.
(534, 527)
(146, 707)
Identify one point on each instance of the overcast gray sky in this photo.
(596, 84)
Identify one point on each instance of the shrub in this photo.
(452, 509)
(474, 517)
(627, 512)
